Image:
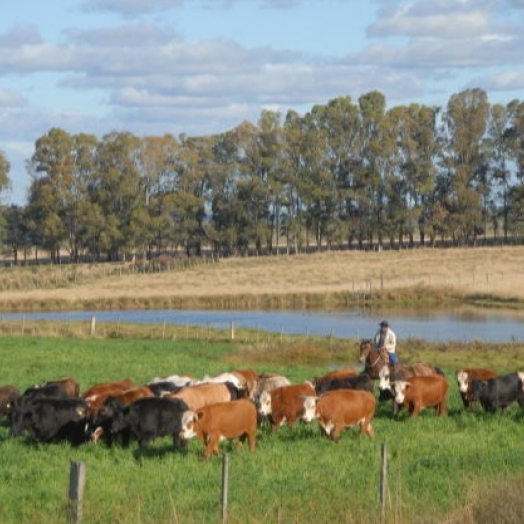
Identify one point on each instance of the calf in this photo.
(51, 419)
(417, 393)
(225, 420)
(499, 392)
(360, 382)
(284, 404)
(465, 378)
(149, 418)
(341, 408)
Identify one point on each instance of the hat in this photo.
(384, 323)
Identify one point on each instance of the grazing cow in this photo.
(149, 418)
(177, 380)
(122, 385)
(417, 393)
(499, 392)
(51, 419)
(8, 395)
(248, 378)
(159, 389)
(465, 378)
(70, 385)
(225, 420)
(267, 383)
(201, 395)
(387, 376)
(46, 391)
(361, 382)
(284, 404)
(338, 409)
(101, 418)
(222, 378)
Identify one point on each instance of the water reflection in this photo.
(457, 324)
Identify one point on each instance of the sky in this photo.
(199, 67)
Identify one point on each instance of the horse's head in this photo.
(365, 348)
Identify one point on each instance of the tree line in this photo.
(343, 174)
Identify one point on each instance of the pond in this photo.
(463, 324)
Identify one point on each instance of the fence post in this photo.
(77, 478)
(93, 325)
(225, 485)
(383, 480)
(232, 331)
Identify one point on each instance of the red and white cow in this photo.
(465, 378)
(417, 393)
(341, 408)
(284, 404)
(236, 419)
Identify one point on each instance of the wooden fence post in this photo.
(225, 485)
(77, 478)
(383, 480)
(232, 331)
(93, 325)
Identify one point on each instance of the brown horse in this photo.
(374, 360)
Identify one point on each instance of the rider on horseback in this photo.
(386, 339)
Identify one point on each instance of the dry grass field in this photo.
(495, 273)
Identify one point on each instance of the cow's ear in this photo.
(408, 385)
(197, 416)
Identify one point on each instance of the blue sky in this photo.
(203, 66)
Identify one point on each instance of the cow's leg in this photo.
(252, 440)
(212, 446)
(335, 432)
(414, 409)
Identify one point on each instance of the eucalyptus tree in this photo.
(117, 189)
(465, 120)
(500, 139)
(516, 192)
(5, 183)
(341, 120)
(16, 235)
(189, 198)
(370, 188)
(411, 183)
(157, 162)
(228, 229)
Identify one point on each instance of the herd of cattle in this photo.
(233, 405)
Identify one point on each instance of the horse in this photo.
(374, 360)
(377, 366)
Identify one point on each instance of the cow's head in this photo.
(384, 378)
(400, 387)
(264, 404)
(462, 381)
(187, 423)
(310, 408)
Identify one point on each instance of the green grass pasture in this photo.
(436, 466)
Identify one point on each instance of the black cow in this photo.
(50, 419)
(499, 392)
(149, 418)
(159, 388)
(50, 390)
(361, 382)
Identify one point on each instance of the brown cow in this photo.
(122, 385)
(8, 394)
(248, 379)
(341, 408)
(70, 385)
(224, 420)
(417, 393)
(284, 404)
(465, 378)
(201, 395)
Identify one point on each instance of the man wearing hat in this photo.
(386, 338)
